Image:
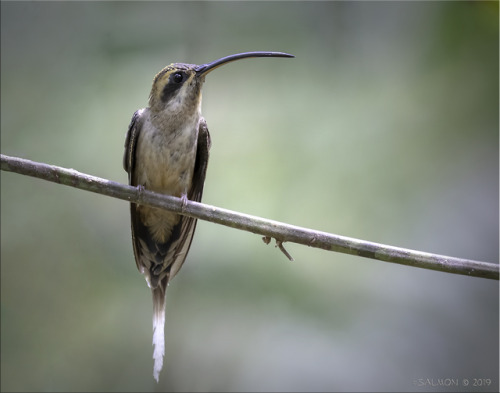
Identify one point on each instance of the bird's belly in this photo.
(164, 164)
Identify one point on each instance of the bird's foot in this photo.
(184, 200)
(140, 189)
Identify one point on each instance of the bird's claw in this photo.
(140, 190)
(184, 200)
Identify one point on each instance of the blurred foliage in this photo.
(384, 127)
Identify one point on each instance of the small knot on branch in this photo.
(279, 244)
(266, 239)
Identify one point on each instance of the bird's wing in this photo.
(131, 143)
(138, 230)
(200, 167)
(188, 224)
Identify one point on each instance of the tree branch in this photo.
(268, 228)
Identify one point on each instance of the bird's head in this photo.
(177, 88)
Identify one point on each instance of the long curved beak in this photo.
(204, 69)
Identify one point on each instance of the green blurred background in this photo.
(384, 127)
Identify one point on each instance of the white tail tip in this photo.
(158, 332)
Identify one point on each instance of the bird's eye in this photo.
(178, 77)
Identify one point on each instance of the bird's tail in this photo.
(158, 329)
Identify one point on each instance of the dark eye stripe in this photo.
(174, 84)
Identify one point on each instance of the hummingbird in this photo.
(166, 151)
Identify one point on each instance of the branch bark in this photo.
(267, 228)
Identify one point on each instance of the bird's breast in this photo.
(164, 163)
(165, 157)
